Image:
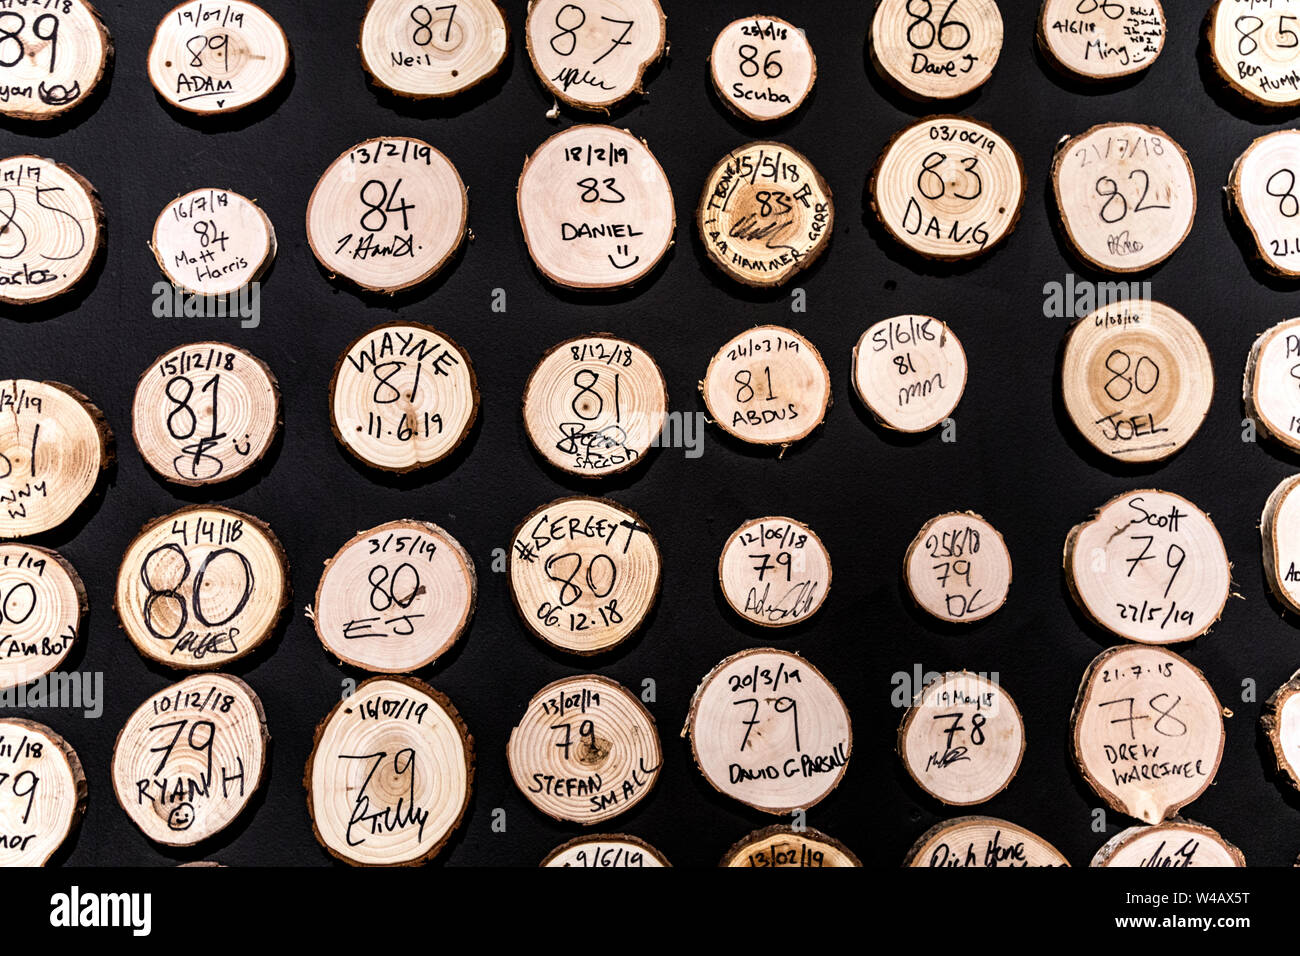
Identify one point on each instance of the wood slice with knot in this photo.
(53, 229)
(1270, 392)
(1146, 731)
(190, 758)
(982, 842)
(213, 242)
(774, 571)
(910, 372)
(783, 846)
(1255, 49)
(958, 568)
(585, 750)
(1104, 41)
(395, 598)
(1279, 529)
(1280, 722)
(1264, 191)
(42, 607)
(593, 54)
(617, 850)
(432, 51)
(936, 51)
(763, 68)
(42, 792)
(58, 56)
(1174, 844)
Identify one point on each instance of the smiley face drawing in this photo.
(181, 816)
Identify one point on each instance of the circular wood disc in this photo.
(390, 774)
(962, 740)
(395, 598)
(1279, 527)
(1271, 386)
(936, 50)
(1146, 731)
(1174, 844)
(213, 242)
(595, 405)
(1126, 195)
(191, 758)
(958, 568)
(42, 792)
(403, 396)
(910, 372)
(1137, 380)
(585, 750)
(763, 68)
(1255, 48)
(774, 571)
(765, 214)
(768, 729)
(606, 850)
(211, 58)
(595, 207)
(205, 413)
(1149, 566)
(593, 54)
(55, 56)
(1280, 722)
(51, 229)
(1264, 189)
(202, 587)
(584, 573)
(982, 842)
(1101, 39)
(767, 386)
(432, 50)
(388, 214)
(54, 445)
(948, 188)
(42, 606)
(783, 846)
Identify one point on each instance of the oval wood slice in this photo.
(1174, 844)
(1146, 731)
(774, 571)
(910, 372)
(1264, 190)
(430, 50)
(768, 729)
(1254, 49)
(982, 842)
(596, 208)
(1279, 529)
(958, 568)
(202, 587)
(585, 750)
(213, 242)
(51, 229)
(42, 607)
(593, 54)
(1150, 567)
(618, 850)
(763, 68)
(1280, 722)
(190, 758)
(783, 846)
(42, 793)
(55, 56)
(936, 51)
(1098, 40)
(1271, 385)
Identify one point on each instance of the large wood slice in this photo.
(608, 850)
(42, 792)
(213, 242)
(982, 842)
(1280, 722)
(1255, 48)
(783, 846)
(42, 607)
(1174, 844)
(1264, 190)
(763, 68)
(55, 55)
(958, 568)
(936, 49)
(1098, 40)
(910, 372)
(433, 50)
(774, 571)
(51, 229)
(1271, 385)
(1279, 529)
(593, 54)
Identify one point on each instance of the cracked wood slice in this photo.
(595, 207)
(763, 68)
(390, 774)
(51, 229)
(958, 568)
(1098, 40)
(783, 846)
(936, 51)
(585, 750)
(606, 850)
(1279, 528)
(1271, 385)
(982, 842)
(42, 607)
(593, 54)
(1146, 731)
(1255, 49)
(768, 729)
(1280, 722)
(55, 56)
(433, 51)
(213, 242)
(202, 587)
(395, 598)
(1150, 567)
(584, 573)
(1264, 191)
(1174, 844)
(42, 792)
(910, 372)
(774, 571)
(191, 758)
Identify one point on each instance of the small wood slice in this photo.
(593, 54)
(982, 842)
(958, 568)
(584, 573)
(1098, 40)
(212, 58)
(618, 850)
(395, 598)
(42, 607)
(763, 68)
(948, 188)
(585, 750)
(191, 758)
(1280, 722)
(1271, 386)
(202, 587)
(388, 214)
(1149, 566)
(1279, 527)
(55, 56)
(1174, 844)
(768, 729)
(910, 372)
(596, 208)
(432, 51)
(42, 792)
(939, 51)
(765, 214)
(774, 571)
(390, 774)
(783, 846)
(1264, 190)
(1137, 380)
(1255, 48)
(54, 445)
(403, 397)
(51, 229)
(205, 413)
(1146, 731)
(213, 242)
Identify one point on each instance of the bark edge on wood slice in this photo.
(939, 358)
(749, 598)
(949, 552)
(1268, 391)
(243, 227)
(1268, 218)
(618, 843)
(1030, 842)
(456, 74)
(71, 800)
(1280, 722)
(1144, 21)
(796, 68)
(93, 49)
(1279, 528)
(56, 592)
(1117, 851)
(897, 62)
(1232, 42)
(814, 849)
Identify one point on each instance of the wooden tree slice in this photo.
(774, 571)
(1271, 386)
(936, 51)
(1280, 722)
(782, 846)
(1126, 195)
(767, 386)
(1174, 844)
(42, 607)
(958, 568)
(390, 774)
(763, 68)
(606, 850)
(982, 842)
(51, 229)
(202, 587)
(395, 598)
(593, 54)
(1264, 190)
(388, 214)
(948, 188)
(403, 397)
(765, 214)
(213, 242)
(594, 406)
(42, 792)
(768, 729)
(55, 56)
(596, 208)
(54, 446)
(1255, 48)
(431, 51)
(910, 372)
(584, 573)
(1149, 566)
(1137, 380)
(213, 58)
(1101, 39)
(205, 413)
(1146, 731)
(585, 750)
(190, 758)
(1279, 527)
